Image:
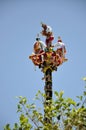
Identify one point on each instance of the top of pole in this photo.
(47, 55)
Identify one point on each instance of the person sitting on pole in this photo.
(61, 50)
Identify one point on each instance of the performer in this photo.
(38, 51)
(47, 32)
(39, 45)
(61, 50)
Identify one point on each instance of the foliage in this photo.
(64, 113)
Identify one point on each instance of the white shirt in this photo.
(49, 29)
(59, 45)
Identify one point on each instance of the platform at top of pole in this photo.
(47, 55)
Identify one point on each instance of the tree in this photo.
(66, 114)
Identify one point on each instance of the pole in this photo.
(48, 96)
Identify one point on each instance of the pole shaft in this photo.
(48, 95)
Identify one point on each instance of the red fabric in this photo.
(60, 40)
(49, 39)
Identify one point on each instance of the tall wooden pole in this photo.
(48, 95)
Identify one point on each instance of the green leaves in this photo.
(84, 78)
(23, 100)
(16, 126)
(23, 119)
(59, 95)
(7, 127)
(70, 102)
(64, 113)
(24, 122)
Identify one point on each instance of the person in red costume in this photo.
(47, 31)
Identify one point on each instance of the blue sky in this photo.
(19, 24)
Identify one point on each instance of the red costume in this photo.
(49, 41)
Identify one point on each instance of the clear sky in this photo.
(19, 24)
